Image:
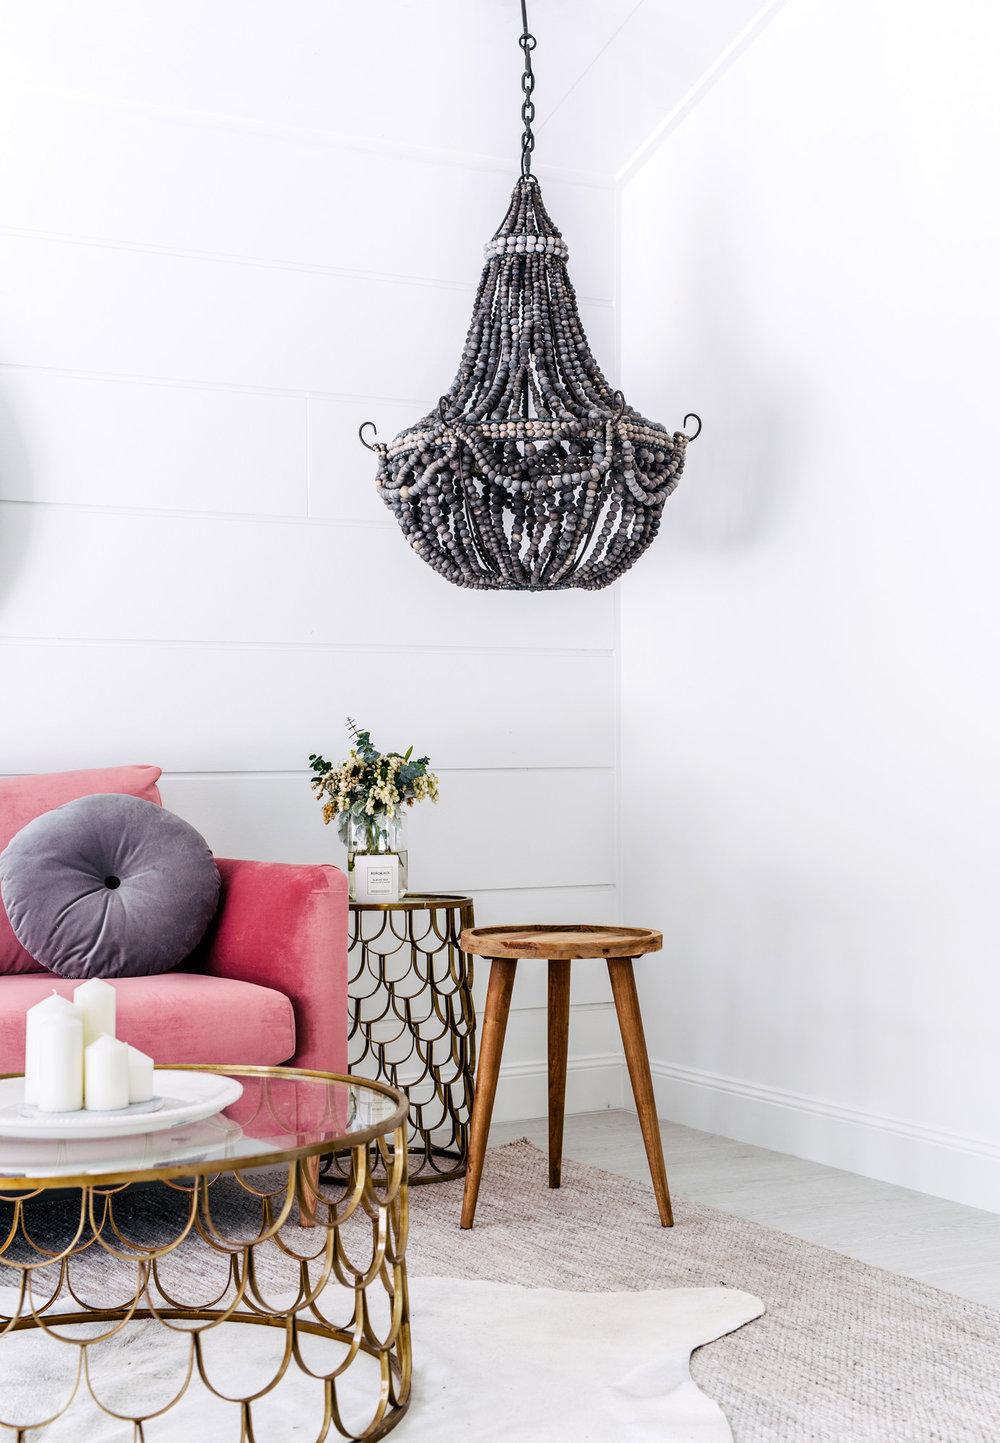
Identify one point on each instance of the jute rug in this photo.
(844, 1352)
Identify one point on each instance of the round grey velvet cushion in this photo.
(108, 886)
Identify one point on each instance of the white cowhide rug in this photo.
(491, 1362)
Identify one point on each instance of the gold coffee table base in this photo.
(357, 1244)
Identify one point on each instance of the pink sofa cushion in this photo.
(22, 799)
(286, 926)
(174, 1017)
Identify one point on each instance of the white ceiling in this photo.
(437, 73)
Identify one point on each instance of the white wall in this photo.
(199, 310)
(810, 690)
(220, 257)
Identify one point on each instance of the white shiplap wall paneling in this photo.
(476, 836)
(595, 1077)
(276, 818)
(589, 985)
(225, 708)
(519, 829)
(195, 569)
(592, 1028)
(115, 576)
(120, 311)
(74, 439)
(584, 903)
(593, 1084)
(301, 199)
(265, 818)
(399, 77)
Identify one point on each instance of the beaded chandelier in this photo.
(532, 474)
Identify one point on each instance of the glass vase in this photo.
(376, 858)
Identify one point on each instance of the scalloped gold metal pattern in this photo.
(359, 1244)
(413, 1021)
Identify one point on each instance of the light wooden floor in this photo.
(943, 1243)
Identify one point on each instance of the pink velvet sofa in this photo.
(266, 986)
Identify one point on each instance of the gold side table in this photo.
(413, 1022)
(133, 1201)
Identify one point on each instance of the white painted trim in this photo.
(238, 258)
(321, 647)
(930, 1160)
(698, 91)
(546, 887)
(268, 773)
(184, 383)
(269, 518)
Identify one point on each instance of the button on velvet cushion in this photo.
(108, 886)
(25, 797)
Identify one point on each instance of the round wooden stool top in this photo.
(560, 942)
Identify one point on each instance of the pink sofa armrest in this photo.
(285, 927)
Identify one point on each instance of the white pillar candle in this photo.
(53, 1006)
(140, 1076)
(105, 1075)
(96, 1000)
(59, 1060)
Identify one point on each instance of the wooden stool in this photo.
(560, 945)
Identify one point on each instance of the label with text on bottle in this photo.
(376, 877)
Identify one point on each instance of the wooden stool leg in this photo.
(501, 986)
(558, 1054)
(630, 1022)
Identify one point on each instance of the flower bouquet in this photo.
(366, 793)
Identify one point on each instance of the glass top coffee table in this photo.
(180, 1233)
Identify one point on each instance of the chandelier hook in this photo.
(693, 416)
(361, 435)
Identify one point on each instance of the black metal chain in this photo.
(527, 43)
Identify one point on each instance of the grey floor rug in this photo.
(844, 1353)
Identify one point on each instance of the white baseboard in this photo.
(593, 1083)
(944, 1164)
